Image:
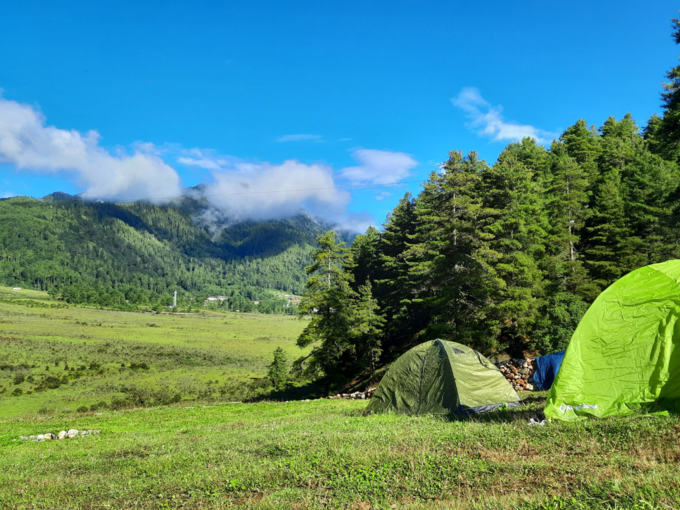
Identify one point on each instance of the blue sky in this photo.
(125, 100)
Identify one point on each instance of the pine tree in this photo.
(395, 285)
(665, 135)
(519, 228)
(364, 252)
(567, 205)
(451, 261)
(328, 301)
(278, 370)
(582, 144)
(609, 244)
(367, 327)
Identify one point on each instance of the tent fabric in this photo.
(441, 377)
(624, 356)
(546, 369)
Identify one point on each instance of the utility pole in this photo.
(174, 301)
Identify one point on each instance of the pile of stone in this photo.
(519, 373)
(64, 434)
(357, 395)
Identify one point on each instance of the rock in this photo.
(72, 433)
(524, 371)
(530, 387)
(62, 434)
(49, 436)
(40, 437)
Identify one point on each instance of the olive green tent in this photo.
(625, 353)
(441, 377)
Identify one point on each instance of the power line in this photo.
(283, 191)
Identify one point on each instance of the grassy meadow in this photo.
(60, 358)
(159, 387)
(325, 454)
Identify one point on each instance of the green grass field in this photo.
(325, 454)
(56, 358)
(200, 451)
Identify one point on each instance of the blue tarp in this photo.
(546, 369)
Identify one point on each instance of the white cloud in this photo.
(378, 167)
(299, 138)
(265, 191)
(7, 194)
(487, 120)
(356, 222)
(205, 158)
(28, 144)
(241, 190)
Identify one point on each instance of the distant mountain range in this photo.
(62, 240)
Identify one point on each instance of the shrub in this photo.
(19, 378)
(50, 382)
(278, 370)
(99, 406)
(17, 392)
(82, 409)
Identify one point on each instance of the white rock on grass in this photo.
(62, 434)
(72, 433)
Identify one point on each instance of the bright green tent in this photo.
(624, 354)
(441, 377)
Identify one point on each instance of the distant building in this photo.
(256, 302)
(214, 298)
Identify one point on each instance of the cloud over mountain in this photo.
(239, 189)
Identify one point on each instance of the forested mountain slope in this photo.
(61, 241)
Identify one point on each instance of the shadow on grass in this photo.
(303, 392)
(531, 407)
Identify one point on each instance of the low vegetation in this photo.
(56, 358)
(326, 454)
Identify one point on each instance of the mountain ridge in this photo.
(63, 240)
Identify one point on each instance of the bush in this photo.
(278, 370)
(100, 406)
(82, 409)
(17, 392)
(19, 378)
(50, 382)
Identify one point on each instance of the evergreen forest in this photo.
(138, 254)
(505, 258)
